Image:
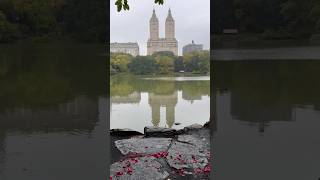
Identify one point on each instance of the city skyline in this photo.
(137, 21)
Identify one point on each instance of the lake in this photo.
(53, 112)
(268, 119)
(173, 102)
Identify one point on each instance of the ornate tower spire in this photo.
(170, 29)
(154, 26)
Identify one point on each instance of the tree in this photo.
(165, 63)
(120, 61)
(197, 61)
(178, 64)
(123, 4)
(143, 65)
(163, 53)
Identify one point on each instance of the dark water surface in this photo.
(268, 120)
(53, 112)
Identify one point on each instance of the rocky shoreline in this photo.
(161, 153)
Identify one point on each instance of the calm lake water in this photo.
(137, 102)
(53, 112)
(268, 120)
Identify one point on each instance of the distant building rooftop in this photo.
(129, 48)
(192, 47)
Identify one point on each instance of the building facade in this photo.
(192, 47)
(129, 48)
(157, 44)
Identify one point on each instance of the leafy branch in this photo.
(123, 4)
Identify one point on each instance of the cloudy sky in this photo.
(192, 21)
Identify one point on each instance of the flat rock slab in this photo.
(142, 168)
(201, 142)
(186, 156)
(143, 146)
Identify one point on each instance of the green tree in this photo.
(123, 4)
(178, 64)
(120, 61)
(143, 65)
(197, 61)
(165, 63)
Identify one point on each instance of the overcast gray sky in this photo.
(192, 21)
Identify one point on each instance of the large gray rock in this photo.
(184, 155)
(152, 131)
(202, 143)
(190, 151)
(143, 168)
(143, 146)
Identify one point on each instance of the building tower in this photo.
(157, 44)
(154, 26)
(169, 30)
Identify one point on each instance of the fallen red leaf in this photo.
(119, 173)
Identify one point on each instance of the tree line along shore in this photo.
(197, 62)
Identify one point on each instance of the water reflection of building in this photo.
(134, 97)
(169, 101)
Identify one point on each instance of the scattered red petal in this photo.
(119, 173)
(129, 170)
(181, 172)
(207, 169)
(160, 154)
(194, 160)
(134, 160)
(198, 170)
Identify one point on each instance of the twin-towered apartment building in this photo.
(155, 43)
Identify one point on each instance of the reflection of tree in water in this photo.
(122, 85)
(194, 90)
(169, 101)
(267, 91)
(134, 97)
(39, 75)
(80, 113)
(43, 87)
